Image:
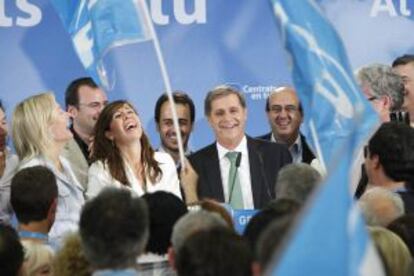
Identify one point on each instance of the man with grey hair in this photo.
(297, 181)
(235, 169)
(114, 231)
(381, 206)
(189, 224)
(383, 88)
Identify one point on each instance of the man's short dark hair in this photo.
(219, 92)
(114, 229)
(403, 60)
(214, 252)
(394, 144)
(33, 191)
(72, 91)
(11, 251)
(1, 105)
(179, 98)
(164, 210)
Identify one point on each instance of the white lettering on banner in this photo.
(34, 12)
(403, 8)
(244, 219)
(388, 7)
(32, 18)
(156, 13)
(84, 44)
(198, 16)
(4, 20)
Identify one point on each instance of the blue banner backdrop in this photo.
(204, 42)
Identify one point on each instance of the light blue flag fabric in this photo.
(331, 238)
(334, 108)
(98, 25)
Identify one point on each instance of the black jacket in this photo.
(265, 160)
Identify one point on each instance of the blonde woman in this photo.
(40, 131)
(124, 157)
(395, 255)
(38, 259)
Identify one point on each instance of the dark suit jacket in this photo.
(307, 154)
(265, 160)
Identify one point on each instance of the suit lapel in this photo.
(307, 155)
(256, 176)
(213, 174)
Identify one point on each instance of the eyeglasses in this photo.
(366, 151)
(279, 108)
(372, 98)
(94, 105)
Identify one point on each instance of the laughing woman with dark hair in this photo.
(124, 158)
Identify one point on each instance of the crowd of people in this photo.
(86, 193)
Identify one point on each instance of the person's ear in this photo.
(72, 111)
(109, 135)
(171, 257)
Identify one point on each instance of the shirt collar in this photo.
(241, 147)
(298, 141)
(82, 145)
(113, 272)
(33, 235)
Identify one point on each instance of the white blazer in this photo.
(12, 162)
(100, 177)
(70, 199)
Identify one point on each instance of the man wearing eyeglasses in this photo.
(285, 116)
(383, 88)
(84, 102)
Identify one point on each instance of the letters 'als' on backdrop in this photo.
(204, 42)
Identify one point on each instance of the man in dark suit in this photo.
(285, 115)
(251, 176)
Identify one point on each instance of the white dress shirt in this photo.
(100, 177)
(296, 149)
(243, 171)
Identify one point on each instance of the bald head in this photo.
(284, 114)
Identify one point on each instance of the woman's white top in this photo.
(99, 177)
(12, 162)
(70, 199)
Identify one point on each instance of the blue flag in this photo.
(331, 239)
(98, 25)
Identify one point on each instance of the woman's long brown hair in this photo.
(106, 151)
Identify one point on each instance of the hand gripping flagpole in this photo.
(165, 78)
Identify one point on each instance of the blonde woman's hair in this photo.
(30, 125)
(70, 259)
(38, 257)
(395, 254)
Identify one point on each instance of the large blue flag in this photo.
(331, 239)
(98, 25)
(334, 108)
